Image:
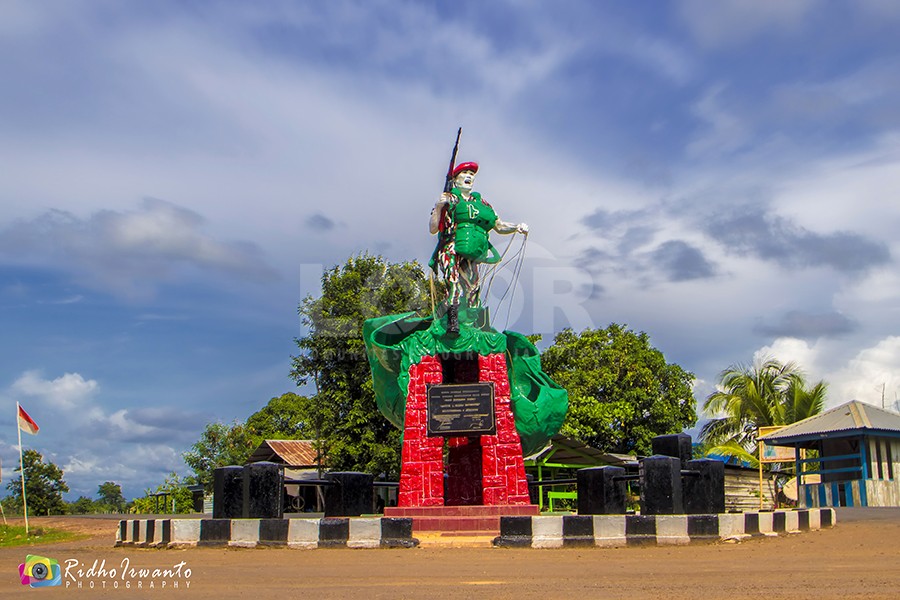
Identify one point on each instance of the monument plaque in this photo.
(464, 409)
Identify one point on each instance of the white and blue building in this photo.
(857, 459)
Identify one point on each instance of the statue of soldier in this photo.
(463, 220)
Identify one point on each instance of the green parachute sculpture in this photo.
(395, 342)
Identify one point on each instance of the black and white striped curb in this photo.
(356, 532)
(627, 530)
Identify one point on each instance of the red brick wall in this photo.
(422, 472)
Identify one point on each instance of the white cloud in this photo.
(845, 190)
(93, 443)
(129, 253)
(873, 371)
(786, 350)
(69, 390)
(864, 377)
(143, 462)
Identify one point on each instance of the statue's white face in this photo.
(465, 180)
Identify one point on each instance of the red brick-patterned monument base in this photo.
(485, 470)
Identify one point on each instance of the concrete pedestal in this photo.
(228, 492)
(600, 492)
(350, 495)
(661, 492)
(704, 494)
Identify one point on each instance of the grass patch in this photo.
(14, 535)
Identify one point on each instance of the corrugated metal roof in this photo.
(852, 416)
(293, 453)
(565, 450)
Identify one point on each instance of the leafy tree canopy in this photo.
(219, 445)
(342, 416)
(283, 418)
(109, 496)
(83, 506)
(622, 392)
(44, 486)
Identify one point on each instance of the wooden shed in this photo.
(301, 463)
(742, 489)
(295, 455)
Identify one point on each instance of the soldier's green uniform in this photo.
(463, 244)
(474, 219)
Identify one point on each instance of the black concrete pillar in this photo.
(677, 445)
(599, 492)
(534, 491)
(350, 494)
(263, 491)
(228, 493)
(704, 494)
(661, 486)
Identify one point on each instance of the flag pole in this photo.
(3, 512)
(22, 469)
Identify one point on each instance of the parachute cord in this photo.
(492, 270)
(517, 273)
(519, 261)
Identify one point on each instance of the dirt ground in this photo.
(860, 558)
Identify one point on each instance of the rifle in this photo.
(448, 183)
(452, 309)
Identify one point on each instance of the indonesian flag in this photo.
(26, 423)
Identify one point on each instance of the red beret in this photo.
(466, 166)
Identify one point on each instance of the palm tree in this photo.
(803, 402)
(765, 394)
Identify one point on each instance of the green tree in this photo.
(83, 506)
(622, 392)
(349, 430)
(110, 498)
(767, 393)
(44, 486)
(285, 417)
(171, 492)
(220, 445)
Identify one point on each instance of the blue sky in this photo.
(175, 175)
